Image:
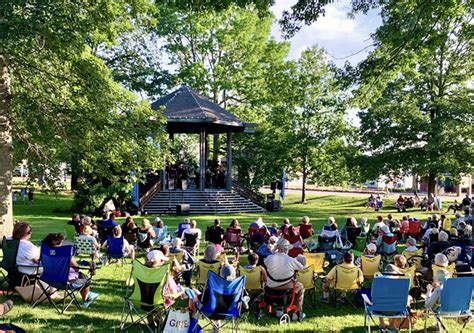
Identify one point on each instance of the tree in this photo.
(56, 95)
(417, 113)
(309, 120)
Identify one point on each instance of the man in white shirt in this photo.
(281, 270)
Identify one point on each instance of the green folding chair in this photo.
(144, 297)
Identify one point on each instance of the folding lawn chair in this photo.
(308, 280)
(203, 269)
(10, 275)
(455, 301)
(85, 246)
(222, 300)
(191, 243)
(306, 230)
(370, 266)
(115, 250)
(317, 260)
(160, 236)
(256, 237)
(253, 281)
(360, 243)
(144, 297)
(233, 239)
(353, 233)
(414, 228)
(347, 281)
(414, 258)
(56, 264)
(389, 299)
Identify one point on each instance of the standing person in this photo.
(30, 196)
(76, 223)
(23, 194)
(15, 197)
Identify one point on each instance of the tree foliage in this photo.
(416, 91)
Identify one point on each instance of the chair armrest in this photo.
(366, 299)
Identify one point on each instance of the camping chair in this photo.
(115, 250)
(411, 272)
(306, 230)
(370, 266)
(414, 258)
(253, 281)
(181, 228)
(308, 280)
(9, 271)
(414, 228)
(160, 236)
(131, 238)
(144, 241)
(214, 235)
(203, 269)
(360, 243)
(222, 300)
(233, 239)
(387, 241)
(389, 300)
(296, 251)
(327, 243)
(317, 261)
(56, 263)
(144, 297)
(347, 280)
(352, 233)
(451, 268)
(104, 232)
(455, 301)
(276, 298)
(254, 241)
(85, 246)
(191, 243)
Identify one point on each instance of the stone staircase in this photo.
(201, 202)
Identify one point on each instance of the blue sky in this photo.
(335, 32)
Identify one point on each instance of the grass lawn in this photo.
(104, 314)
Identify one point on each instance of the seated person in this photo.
(210, 254)
(87, 221)
(351, 222)
(439, 246)
(400, 262)
(28, 254)
(258, 224)
(281, 274)
(430, 235)
(377, 226)
(86, 234)
(332, 232)
(109, 222)
(400, 205)
(183, 226)
(273, 230)
(330, 280)
(411, 245)
(378, 203)
(159, 229)
(76, 223)
(130, 231)
(284, 227)
(253, 260)
(306, 229)
(146, 235)
(387, 241)
(234, 224)
(433, 290)
(267, 249)
(445, 223)
(370, 251)
(193, 230)
(154, 259)
(365, 226)
(76, 278)
(215, 233)
(454, 206)
(127, 249)
(294, 238)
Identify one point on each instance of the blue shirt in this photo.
(108, 223)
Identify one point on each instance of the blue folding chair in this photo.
(115, 249)
(455, 301)
(389, 300)
(222, 300)
(56, 263)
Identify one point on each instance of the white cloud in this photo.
(338, 34)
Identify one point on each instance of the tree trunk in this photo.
(6, 156)
(432, 188)
(303, 187)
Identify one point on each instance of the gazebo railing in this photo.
(256, 197)
(145, 198)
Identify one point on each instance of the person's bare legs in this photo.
(6, 307)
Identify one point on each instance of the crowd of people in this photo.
(279, 251)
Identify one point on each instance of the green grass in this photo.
(104, 314)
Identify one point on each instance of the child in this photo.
(253, 262)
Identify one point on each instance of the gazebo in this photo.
(189, 112)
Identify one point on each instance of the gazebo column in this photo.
(202, 158)
(229, 160)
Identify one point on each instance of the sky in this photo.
(335, 32)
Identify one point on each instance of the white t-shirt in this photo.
(192, 232)
(26, 252)
(281, 267)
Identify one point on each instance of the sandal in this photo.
(7, 306)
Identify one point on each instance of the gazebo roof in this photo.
(187, 112)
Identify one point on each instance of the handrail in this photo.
(256, 197)
(150, 194)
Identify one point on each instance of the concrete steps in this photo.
(201, 202)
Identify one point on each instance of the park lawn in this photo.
(49, 214)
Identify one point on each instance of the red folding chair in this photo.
(414, 228)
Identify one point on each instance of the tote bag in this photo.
(177, 322)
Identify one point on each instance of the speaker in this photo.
(273, 206)
(273, 186)
(279, 185)
(182, 209)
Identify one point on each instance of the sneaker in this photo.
(90, 298)
(301, 316)
(324, 299)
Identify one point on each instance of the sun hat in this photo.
(156, 255)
